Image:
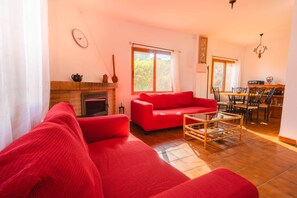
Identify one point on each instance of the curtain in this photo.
(235, 75)
(175, 70)
(24, 67)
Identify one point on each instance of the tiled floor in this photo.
(268, 163)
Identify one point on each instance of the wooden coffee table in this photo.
(212, 126)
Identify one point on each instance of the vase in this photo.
(269, 79)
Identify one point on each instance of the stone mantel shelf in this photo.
(80, 86)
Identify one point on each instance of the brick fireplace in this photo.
(73, 93)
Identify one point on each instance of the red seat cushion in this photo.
(176, 115)
(132, 169)
(49, 161)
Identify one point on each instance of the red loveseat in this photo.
(65, 156)
(161, 111)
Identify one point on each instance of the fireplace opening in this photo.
(94, 104)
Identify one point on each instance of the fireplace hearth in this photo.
(94, 104)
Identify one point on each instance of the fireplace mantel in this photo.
(66, 91)
(79, 86)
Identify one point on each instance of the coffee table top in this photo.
(213, 116)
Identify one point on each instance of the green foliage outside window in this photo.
(144, 72)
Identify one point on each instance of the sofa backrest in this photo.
(50, 161)
(168, 100)
(64, 115)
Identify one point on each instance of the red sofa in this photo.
(161, 111)
(65, 156)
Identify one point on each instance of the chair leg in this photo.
(251, 115)
(267, 114)
(246, 116)
(257, 116)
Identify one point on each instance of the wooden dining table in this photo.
(231, 95)
(234, 94)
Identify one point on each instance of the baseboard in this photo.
(287, 140)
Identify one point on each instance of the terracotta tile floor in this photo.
(260, 157)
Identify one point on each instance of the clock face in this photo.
(80, 38)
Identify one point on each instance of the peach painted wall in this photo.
(66, 57)
(272, 63)
(289, 119)
(217, 48)
(109, 36)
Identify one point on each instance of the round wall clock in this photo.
(80, 38)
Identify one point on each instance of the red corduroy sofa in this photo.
(65, 156)
(160, 111)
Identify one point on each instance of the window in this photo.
(225, 74)
(151, 70)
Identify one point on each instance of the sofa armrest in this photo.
(141, 110)
(218, 183)
(104, 127)
(204, 102)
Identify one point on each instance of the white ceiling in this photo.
(214, 18)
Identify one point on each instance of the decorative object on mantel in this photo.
(121, 109)
(76, 77)
(232, 2)
(80, 38)
(105, 78)
(269, 79)
(114, 78)
(260, 49)
(202, 49)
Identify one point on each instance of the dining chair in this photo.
(252, 104)
(239, 99)
(267, 103)
(217, 97)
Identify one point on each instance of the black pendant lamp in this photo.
(232, 2)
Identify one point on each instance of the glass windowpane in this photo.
(163, 72)
(143, 71)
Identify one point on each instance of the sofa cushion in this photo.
(176, 115)
(63, 114)
(49, 161)
(130, 168)
(168, 100)
(220, 183)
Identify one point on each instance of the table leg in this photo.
(241, 123)
(205, 134)
(184, 127)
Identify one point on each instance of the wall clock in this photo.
(80, 38)
(202, 49)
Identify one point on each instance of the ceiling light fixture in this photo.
(260, 49)
(232, 2)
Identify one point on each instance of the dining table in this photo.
(234, 94)
(232, 97)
